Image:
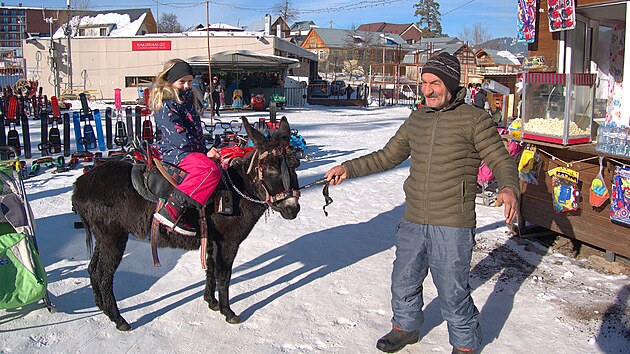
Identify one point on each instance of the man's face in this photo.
(435, 92)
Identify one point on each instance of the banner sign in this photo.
(561, 15)
(150, 45)
(526, 25)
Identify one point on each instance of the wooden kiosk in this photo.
(584, 50)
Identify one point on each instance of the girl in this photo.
(182, 144)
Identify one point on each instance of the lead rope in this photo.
(327, 199)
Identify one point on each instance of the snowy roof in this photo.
(125, 23)
(338, 38)
(216, 27)
(302, 26)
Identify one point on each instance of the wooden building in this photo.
(593, 47)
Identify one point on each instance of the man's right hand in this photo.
(336, 175)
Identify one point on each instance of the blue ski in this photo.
(99, 130)
(78, 138)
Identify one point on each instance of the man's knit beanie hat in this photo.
(446, 67)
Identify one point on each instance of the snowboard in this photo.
(99, 129)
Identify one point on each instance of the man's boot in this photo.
(397, 339)
(170, 215)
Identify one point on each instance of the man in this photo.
(198, 88)
(446, 140)
(216, 95)
(480, 99)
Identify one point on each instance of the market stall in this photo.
(575, 171)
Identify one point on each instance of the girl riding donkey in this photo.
(182, 144)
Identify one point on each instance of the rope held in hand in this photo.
(327, 199)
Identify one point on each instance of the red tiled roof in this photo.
(395, 28)
(372, 27)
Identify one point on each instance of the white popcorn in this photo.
(554, 127)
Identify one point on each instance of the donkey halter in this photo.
(288, 161)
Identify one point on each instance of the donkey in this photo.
(111, 208)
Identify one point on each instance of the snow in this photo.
(122, 24)
(316, 283)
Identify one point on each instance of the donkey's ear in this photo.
(284, 130)
(257, 137)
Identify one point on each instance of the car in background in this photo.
(319, 88)
(338, 88)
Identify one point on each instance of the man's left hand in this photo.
(508, 197)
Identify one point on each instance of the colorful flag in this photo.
(526, 31)
(561, 15)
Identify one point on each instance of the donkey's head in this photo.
(273, 165)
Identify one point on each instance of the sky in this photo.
(499, 17)
(314, 284)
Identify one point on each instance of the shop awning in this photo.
(243, 59)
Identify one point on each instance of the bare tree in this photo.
(169, 23)
(286, 10)
(78, 9)
(475, 35)
(358, 45)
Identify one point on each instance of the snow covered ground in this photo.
(316, 283)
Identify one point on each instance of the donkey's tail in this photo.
(89, 239)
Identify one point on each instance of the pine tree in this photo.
(429, 13)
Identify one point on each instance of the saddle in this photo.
(156, 181)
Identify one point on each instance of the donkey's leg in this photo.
(95, 276)
(211, 280)
(111, 254)
(226, 254)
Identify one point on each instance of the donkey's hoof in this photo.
(214, 306)
(123, 327)
(233, 320)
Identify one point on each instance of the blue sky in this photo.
(499, 17)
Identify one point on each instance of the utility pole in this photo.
(69, 47)
(209, 67)
(53, 63)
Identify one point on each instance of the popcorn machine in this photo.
(558, 108)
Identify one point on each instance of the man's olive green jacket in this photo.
(446, 148)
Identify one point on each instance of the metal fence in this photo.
(296, 96)
(405, 95)
(11, 70)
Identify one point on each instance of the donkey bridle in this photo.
(288, 161)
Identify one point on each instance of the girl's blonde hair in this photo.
(161, 89)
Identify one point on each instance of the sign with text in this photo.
(150, 45)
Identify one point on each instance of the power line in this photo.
(457, 8)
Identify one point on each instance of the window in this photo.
(313, 43)
(135, 81)
(82, 32)
(103, 31)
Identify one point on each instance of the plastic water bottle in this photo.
(621, 141)
(612, 139)
(605, 137)
(627, 148)
(600, 137)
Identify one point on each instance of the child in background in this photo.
(182, 144)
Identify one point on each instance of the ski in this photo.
(89, 138)
(54, 138)
(55, 109)
(44, 146)
(3, 134)
(78, 137)
(66, 134)
(108, 128)
(11, 110)
(147, 130)
(138, 129)
(99, 129)
(26, 135)
(129, 118)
